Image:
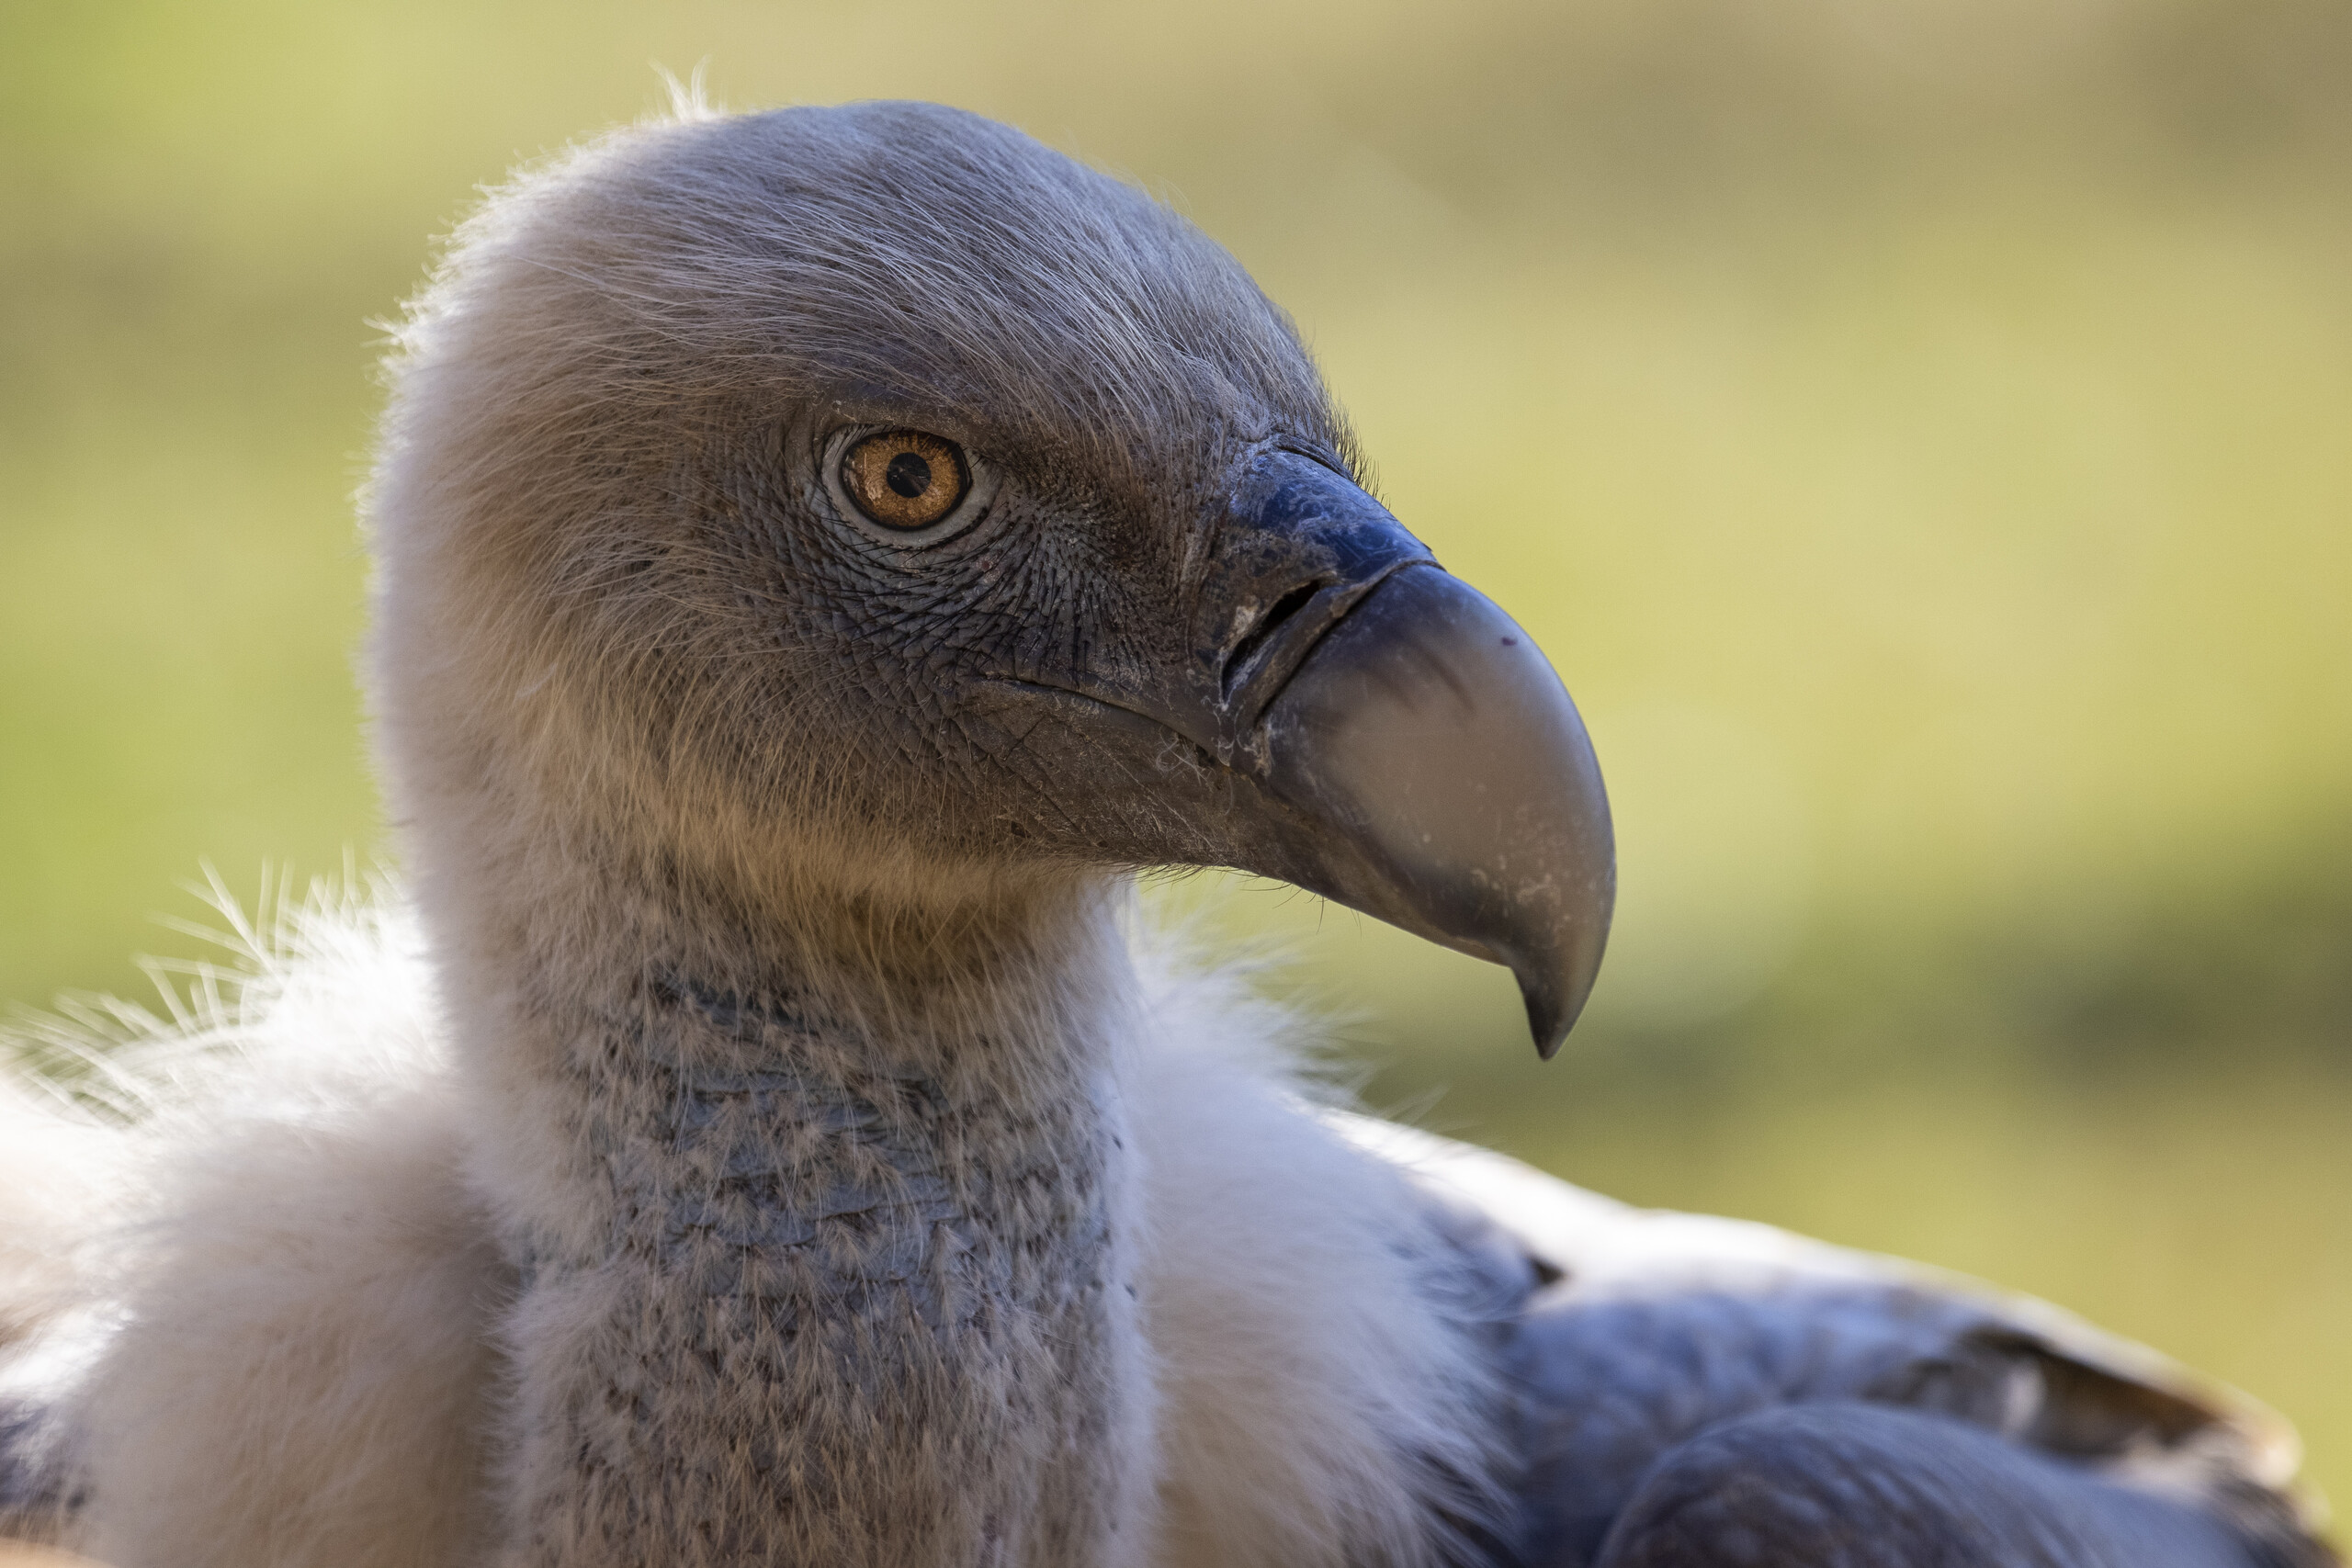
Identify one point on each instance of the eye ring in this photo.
(905, 488)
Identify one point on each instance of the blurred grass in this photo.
(1916, 429)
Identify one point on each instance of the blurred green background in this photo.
(1917, 429)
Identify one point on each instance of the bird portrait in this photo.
(821, 557)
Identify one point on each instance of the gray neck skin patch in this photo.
(778, 1177)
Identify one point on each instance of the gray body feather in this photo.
(1714, 1393)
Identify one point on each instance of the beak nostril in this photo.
(1277, 616)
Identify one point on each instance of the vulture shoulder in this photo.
(1658, 1362)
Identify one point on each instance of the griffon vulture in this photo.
(821, 555)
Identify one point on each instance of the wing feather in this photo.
(1641, 1330)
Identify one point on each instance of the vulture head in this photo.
(872, 498)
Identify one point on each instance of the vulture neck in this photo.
(820, 1209)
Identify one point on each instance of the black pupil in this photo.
(909, 474)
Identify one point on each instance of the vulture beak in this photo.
(1415, 756)
(1454, 786)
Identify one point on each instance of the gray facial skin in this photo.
(1377, 732)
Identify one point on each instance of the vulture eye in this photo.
(905, 479)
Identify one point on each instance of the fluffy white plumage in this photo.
(272, 1298)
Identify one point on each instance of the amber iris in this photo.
(904, 478)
